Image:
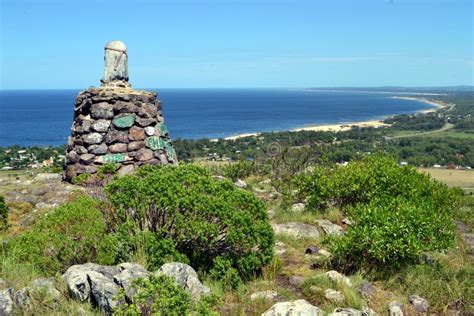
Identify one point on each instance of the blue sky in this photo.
(49, 44)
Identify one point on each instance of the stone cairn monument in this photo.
(116, 124)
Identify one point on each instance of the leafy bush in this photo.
(156, 295)
(315, 188)
(222, 270)
(393, 232)
(379, 176)
(66, 236)
(238, 170)
(3, 214)
(399, 213)
(81, 179)
(204, 218)
(131, 244)
(375, 176)
(159, 295)
(107, 170)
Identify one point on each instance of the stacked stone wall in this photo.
(117, 125)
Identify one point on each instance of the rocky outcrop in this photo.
(298, 208)
(335, 276)
(298, 230)
(240, 184)
(334, 296)
(264, 295)
(293, 308)
(395, 309)
(99, 285)
(366, 289)
(13, 302)
(184, 276)
(117, 125)
(420, 304)
(6, 302)
(340, 311)
(330, 228)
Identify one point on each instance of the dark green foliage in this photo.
(399, 213)
(394, 232)
(429, 121)
(66, 236)
(375, 176)
(315, 187)
(207, 305)
(157, 295)
(203, 217)
(238, 170)
(81, 179)
(222, 270)
(3, 214)
(107, 170)
(122, 245)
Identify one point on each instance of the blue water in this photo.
(43, 117)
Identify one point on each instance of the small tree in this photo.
(68, 235)
(202, 217)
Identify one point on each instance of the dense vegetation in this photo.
(159, 295)
(184, 210)
(69, 235)
(160, 213)
(398, 212)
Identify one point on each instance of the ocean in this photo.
(43, 117)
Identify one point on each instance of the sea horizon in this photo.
(193, 113)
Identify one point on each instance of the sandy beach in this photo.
(436, 104)
(340, 127)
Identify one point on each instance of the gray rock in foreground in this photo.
(420, 304)
(185, 276)
(6, 302)
(99, 285)
(299, 230)
(395, 309)
(264, 295)
(348, 312)
(330, 228)
(293, 308)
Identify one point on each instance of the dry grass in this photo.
(453, 178)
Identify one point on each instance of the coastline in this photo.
(341, 127)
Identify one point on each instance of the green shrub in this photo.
(315, 188)
(394, 232)
(399, 213)
(81, 179)
(107, 170)
(128, 243)
(156, 295)
(222, 270)
(375, 176)
(66, 236)
(238, 170)
(3, 214)
(159, 295)
(203, 217)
